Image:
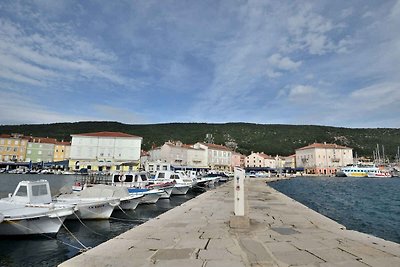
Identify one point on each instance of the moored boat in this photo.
(379, 174)
(30, 211)
(357, 170)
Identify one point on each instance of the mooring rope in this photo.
(85, 248)
(47, 236)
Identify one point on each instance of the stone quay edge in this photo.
(282, 232)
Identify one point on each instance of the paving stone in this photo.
(192, 243)
(297, 257)
(173, 254)
(221, 243)
(224, 263)
(381, 261)
(280, 246)
(218, 254)
(179, 263)
(353, 263)
(333, 255)
(255, 251)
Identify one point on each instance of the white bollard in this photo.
(240, 218)
(239, 191)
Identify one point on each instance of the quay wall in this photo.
(282, 232)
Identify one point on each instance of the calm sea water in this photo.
(370, 206)
(51, 252)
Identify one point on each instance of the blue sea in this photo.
(368, 205)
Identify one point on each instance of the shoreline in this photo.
(282, 232)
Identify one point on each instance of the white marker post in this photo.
(240, 220)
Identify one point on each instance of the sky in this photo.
(325, 62)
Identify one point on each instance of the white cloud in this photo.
(282, 62)
(301, 92)
(56, 55)
(310, 32)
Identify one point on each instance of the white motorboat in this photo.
(182, 183)
(166, 187)
(88, 208)
(30, 211)
(127, 201)
(139, 183)
(379, 174)
(151, 196)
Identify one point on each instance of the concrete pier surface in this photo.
(282, 232)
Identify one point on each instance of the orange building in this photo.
(61, 151)
(13, 147)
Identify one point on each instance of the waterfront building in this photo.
(61, 151)
(217, 157)
(40, 149)
(105, 151)
(152, 167)
(13, 147)
(323, 158)
(176, 153)
(290, 162)
(260, 160)
(238, 160)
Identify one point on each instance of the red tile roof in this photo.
(44, 140)
(265, 156)
(320, 145)
(216, 147)
(106, 134)
(63, 143)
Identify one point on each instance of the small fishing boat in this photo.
(30, 211)
(182, 183)
(127, 201)
(89, 208)
(139, 183)
(379, 174)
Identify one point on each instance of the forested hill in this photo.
(271, 139)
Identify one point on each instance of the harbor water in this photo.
(46, 251)
(368, 205)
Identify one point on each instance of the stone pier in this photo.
(282, 232)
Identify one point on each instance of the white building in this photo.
(179, 154)
(324, 159)
(217, 157)
(102, 151)
(290, 162)
(260, 160)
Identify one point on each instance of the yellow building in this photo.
(13, 147)
(61, 151)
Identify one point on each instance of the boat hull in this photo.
(43, 225)
(130, 204)
(180, 190)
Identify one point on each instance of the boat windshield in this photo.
(39, 190)
(22, 191)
